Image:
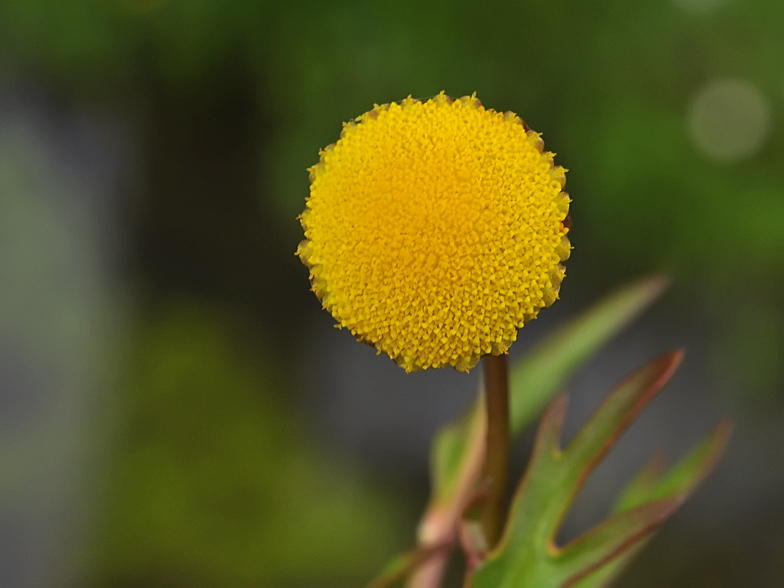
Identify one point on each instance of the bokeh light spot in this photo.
(729, 119)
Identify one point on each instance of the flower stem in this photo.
(496, 462)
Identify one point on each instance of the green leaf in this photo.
(451, 448)
(641, 486)
(458, 450)
(527, 555)
(613, 538)
(543, 372)
(606, 575)
(692, 469)
(402, 565)
(649, 484)
(616, 413)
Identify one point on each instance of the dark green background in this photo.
(198, 458)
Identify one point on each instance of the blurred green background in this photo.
(175, 409)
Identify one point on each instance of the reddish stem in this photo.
(497, 459)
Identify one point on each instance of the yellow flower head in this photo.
(435, 230)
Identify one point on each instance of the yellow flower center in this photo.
(435, 230)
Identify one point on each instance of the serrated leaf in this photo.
(649, 484)
(527, 555)
(458, 450)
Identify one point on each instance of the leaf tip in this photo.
(718, 440)
(548, 437)
(664, 367)
(657, 284)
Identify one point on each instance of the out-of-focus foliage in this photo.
(611, 84)
(213, 484)
(667, 113)
(614, 85)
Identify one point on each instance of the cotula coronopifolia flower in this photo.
(434, 230)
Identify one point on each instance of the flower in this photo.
(435, 230)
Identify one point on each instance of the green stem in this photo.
(497, 460)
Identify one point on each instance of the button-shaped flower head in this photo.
(435, 230)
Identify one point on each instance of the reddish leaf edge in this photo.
(655, 375)
(547, 442)
(662, 508)
(651, 482)
(652, 515)
(405, 563)
(636, 296)
(659, 494)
